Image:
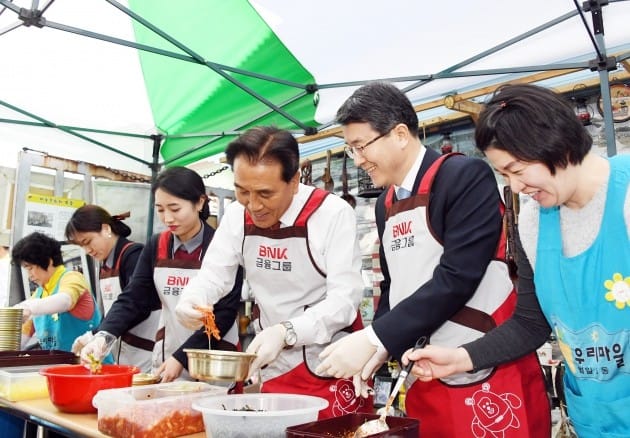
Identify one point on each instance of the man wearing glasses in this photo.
(440, 224)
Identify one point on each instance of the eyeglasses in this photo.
(352, 150)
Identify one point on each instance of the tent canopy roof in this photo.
(207, 69)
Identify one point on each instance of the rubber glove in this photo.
(346, 357)
(97, 348)
(187, 309)
(170, 370)
(374, 363)
(81, 342)
(267, 345)
(361, 387)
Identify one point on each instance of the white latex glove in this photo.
(267, 345)
(374, 363)
(361, 387)
(97, 348)
(170, 370)
(81, 342)
(187, 310)
(346, 357)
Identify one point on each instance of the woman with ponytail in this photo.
(104, 237)
(167, 262)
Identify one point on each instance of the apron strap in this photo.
(137, 341)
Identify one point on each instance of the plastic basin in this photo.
(72, 387)
(226, 417)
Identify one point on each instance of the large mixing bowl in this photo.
(218, 365)
(72, 387)
(256, 415)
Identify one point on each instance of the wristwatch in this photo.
(290, 337)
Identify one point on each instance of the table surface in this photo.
(42, 411)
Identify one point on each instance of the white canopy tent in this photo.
(62, 69)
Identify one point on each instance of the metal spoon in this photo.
(379, 424)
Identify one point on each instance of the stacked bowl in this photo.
(10, 328)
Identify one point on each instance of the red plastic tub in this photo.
(344, 426)
(72, 387)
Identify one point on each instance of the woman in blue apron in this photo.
(574, 263)
(104, 237)
(62, 307)
(168, 261)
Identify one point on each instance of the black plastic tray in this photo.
(400, 427)
(36, 357)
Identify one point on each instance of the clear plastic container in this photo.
(256, 415)
(23, 383)
(161, 410)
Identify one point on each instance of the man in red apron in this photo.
(300, 252)
(442, 257)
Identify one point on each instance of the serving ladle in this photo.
(379, 424)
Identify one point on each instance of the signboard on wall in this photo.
(49, 214)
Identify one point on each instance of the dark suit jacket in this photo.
(464, 214)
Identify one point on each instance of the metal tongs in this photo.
(379, 424)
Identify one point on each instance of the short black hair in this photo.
(533, 124)
(37, 249)
(380, 104)
(267, 142)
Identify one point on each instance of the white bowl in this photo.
(224, 417)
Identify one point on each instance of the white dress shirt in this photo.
(332, 237)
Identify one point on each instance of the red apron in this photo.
(507, 401)
(285, 289)
(339, 392)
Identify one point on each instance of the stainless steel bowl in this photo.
(218, 365)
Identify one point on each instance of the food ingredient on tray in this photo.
(161, 410)
(176, 423)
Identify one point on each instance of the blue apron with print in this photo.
(586, 300)
(59, 330)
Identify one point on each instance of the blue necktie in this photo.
(402, 193)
